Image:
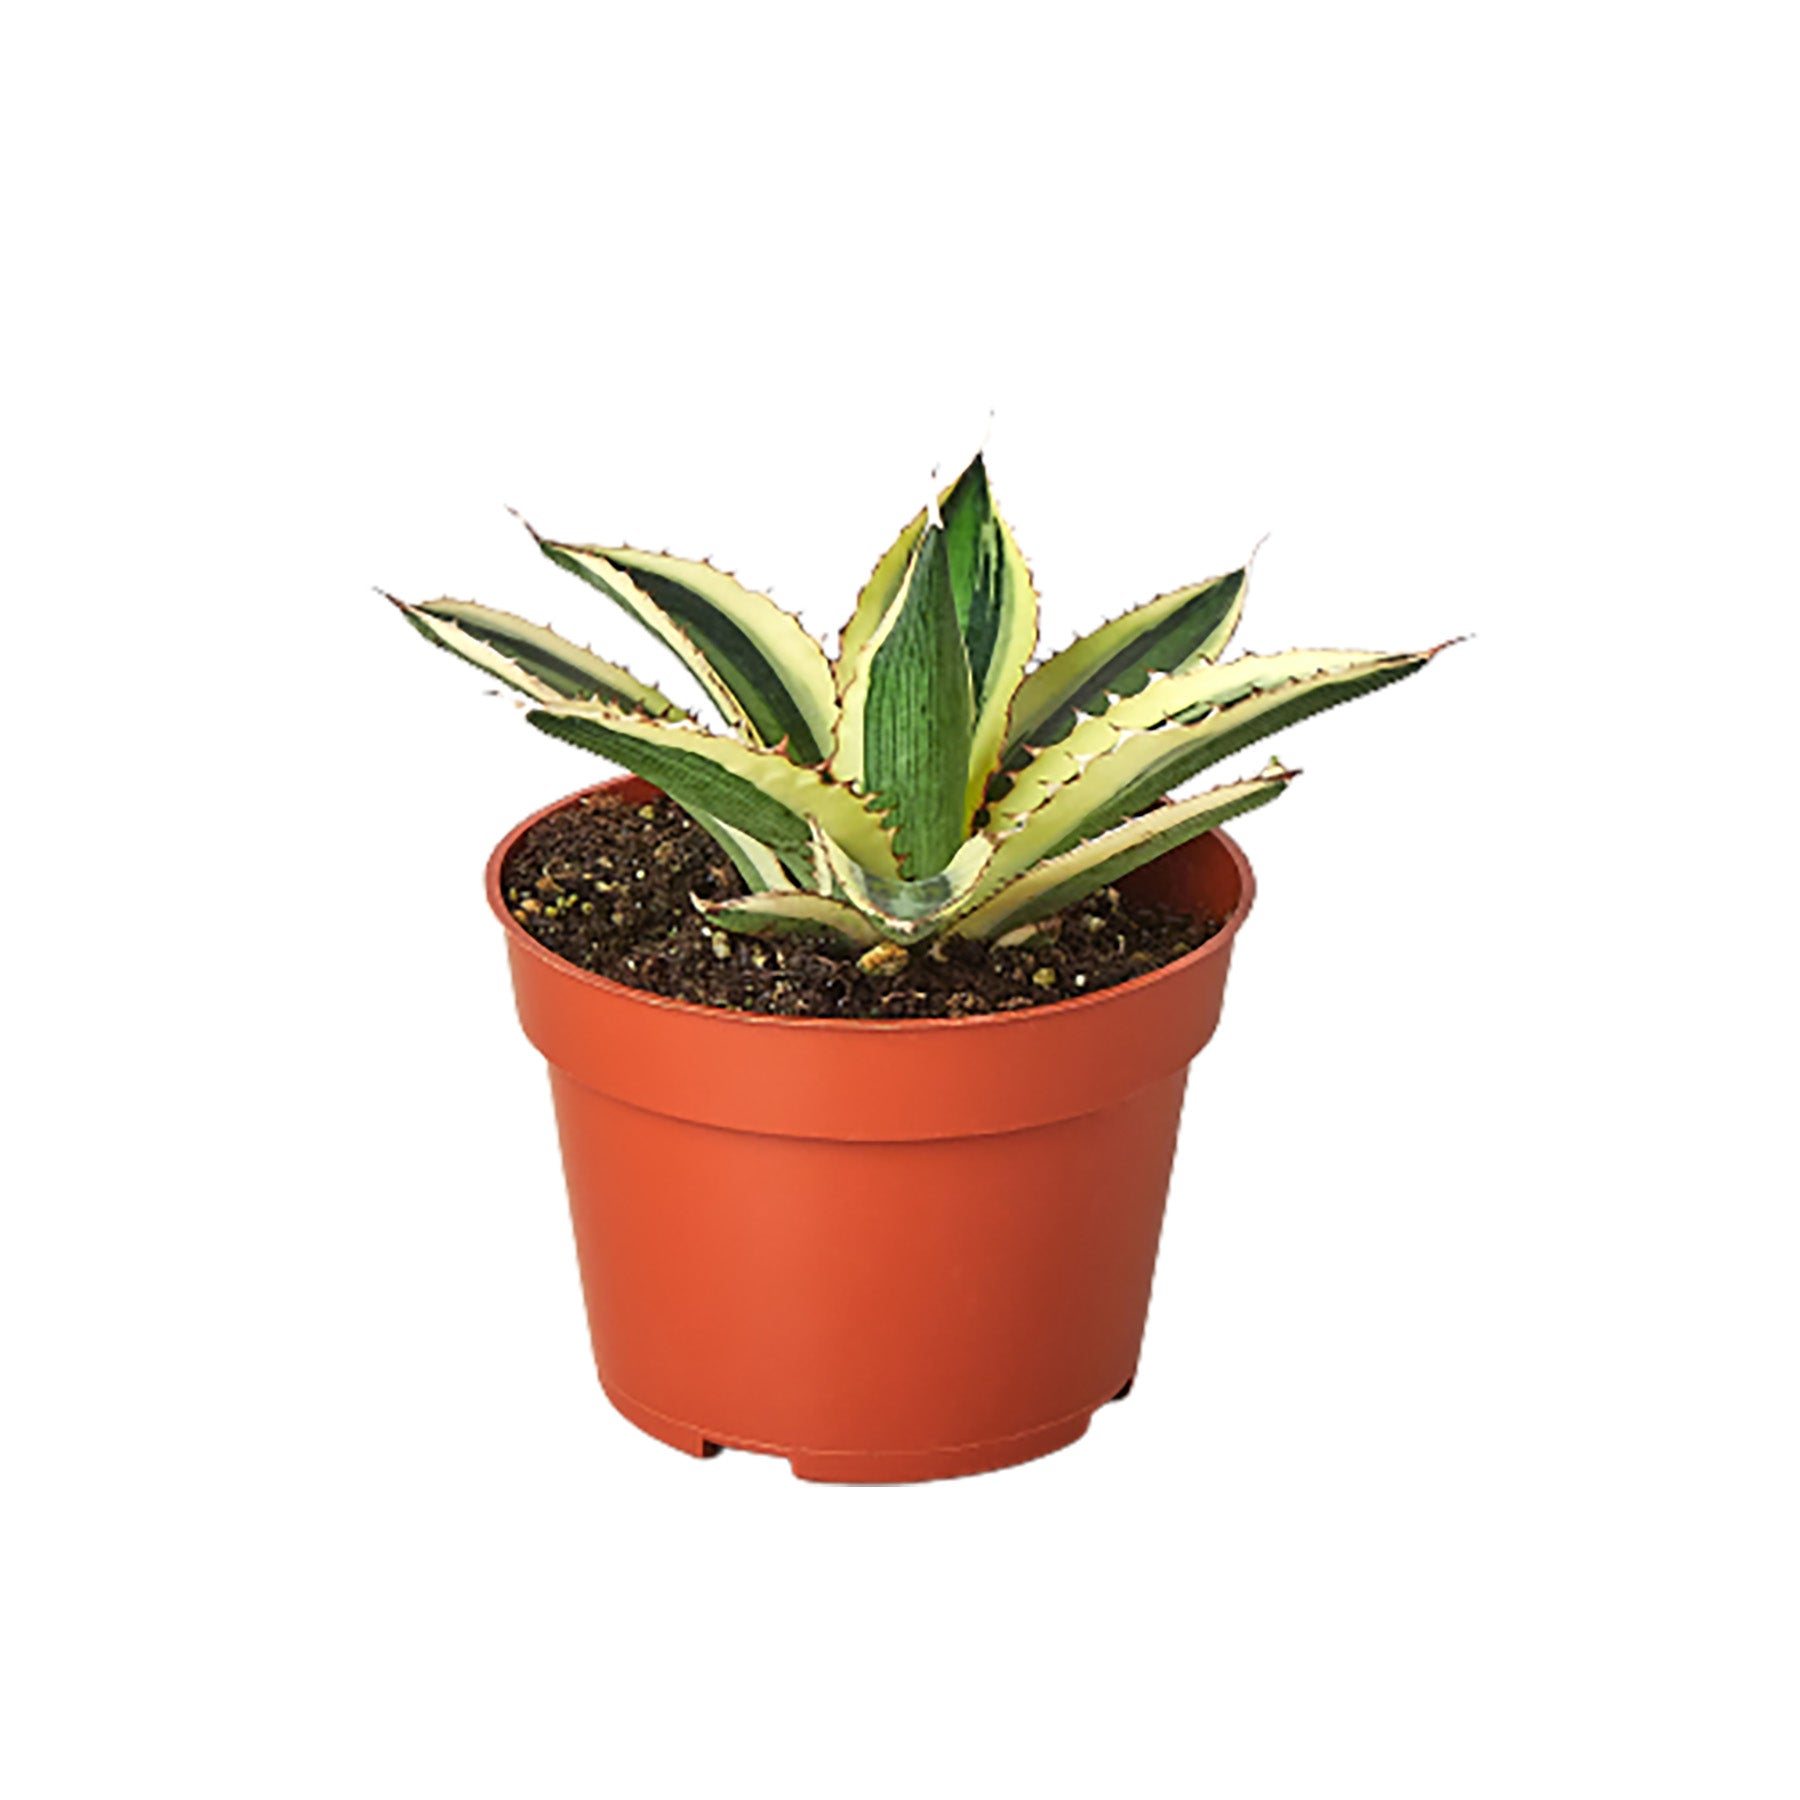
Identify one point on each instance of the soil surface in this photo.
(608, 885)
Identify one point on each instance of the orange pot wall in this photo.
(887, 1252)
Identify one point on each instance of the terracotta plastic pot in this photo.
(887, 1252)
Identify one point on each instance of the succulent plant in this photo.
(927, 781)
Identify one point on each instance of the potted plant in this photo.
(887, 1247)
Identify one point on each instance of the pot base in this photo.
(869, 1467)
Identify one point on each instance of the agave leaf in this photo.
(530, 657)
(1172, 632)
(907, 716)
(878, 594)
(1060, 881)
(790, 913)
(997, 607)
(908, 911)
(1149, 742)
(755, 791)
(759, 866)
(769, 678)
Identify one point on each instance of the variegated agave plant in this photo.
(924, 783)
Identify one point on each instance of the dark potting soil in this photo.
(607, 885)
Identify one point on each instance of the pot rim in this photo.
(522, 940)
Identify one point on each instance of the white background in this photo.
(1463, 1456)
